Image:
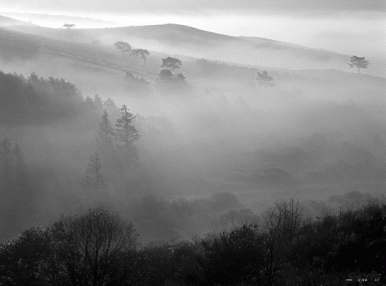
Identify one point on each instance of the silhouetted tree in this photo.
(168, 66)
(264, 79)
(358, 62)
(282, 223)
(142, 53)
(95, 248)
(124, 47)
(171, 63)
(69, 26)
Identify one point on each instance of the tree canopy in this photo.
(69, 26)
(142, 53)
(124, 47)
(264, 79)
(358, 62)
(171, 63)
(166, 74)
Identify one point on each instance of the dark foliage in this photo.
(234, 258)
(32, 100)
(98, 248)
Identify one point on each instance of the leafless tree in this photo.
(91, 245)
(281, 225)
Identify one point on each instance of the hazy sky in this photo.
(349, 26)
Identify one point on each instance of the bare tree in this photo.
(91, 245)
(281, 224)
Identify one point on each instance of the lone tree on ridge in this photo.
(142, 53)
(264, 79)
(358, 62)
(69, 26)
(124, 47)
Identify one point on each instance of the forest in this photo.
(110, 228)
(169, 155)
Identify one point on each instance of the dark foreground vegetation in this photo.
(100, 248)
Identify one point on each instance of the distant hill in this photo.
(188, 41)
(6, 22)
(59, 20)
(80, 53)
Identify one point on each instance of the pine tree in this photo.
(358, 62)
(125, 131)
(94, 180)
(264, 79)
(105, 131)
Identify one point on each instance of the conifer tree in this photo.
(264, 79)
(105, 131)
(358, 62)
(94, 180)
(125, 131)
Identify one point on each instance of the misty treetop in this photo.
(167, 74)
(37, 100)
(125, 130)
(125, 47)
(171, 63)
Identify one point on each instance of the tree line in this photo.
(101, 248)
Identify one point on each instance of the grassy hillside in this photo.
(7, 22)
(190, 41)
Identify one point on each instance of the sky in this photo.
(347, 26)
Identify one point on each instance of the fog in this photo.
(214, 140)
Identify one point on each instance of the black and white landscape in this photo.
(192, 143)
